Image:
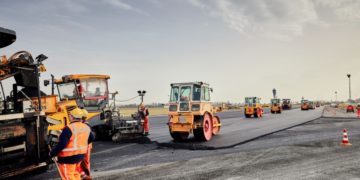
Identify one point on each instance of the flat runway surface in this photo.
(309, 151)
(108, 156)
(235, 128)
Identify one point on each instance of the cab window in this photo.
(174, 97)
(185, 92)
(67, 91)
(94, 87)
(205, 95)
(196, 93)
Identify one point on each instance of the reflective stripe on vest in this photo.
(78, 143)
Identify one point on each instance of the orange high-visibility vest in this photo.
(78, 143)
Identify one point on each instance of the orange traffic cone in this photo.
(345, 141)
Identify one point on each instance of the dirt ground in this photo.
(153, 111)
(339, 113)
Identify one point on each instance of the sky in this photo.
(302, 48)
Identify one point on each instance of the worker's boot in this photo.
(84, 176)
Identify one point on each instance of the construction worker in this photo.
(72, 146)
(144, 113)
(85, 164)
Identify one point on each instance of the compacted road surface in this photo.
(155, 153)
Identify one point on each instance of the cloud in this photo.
(125, 6)
(279, 19)
(72, 6)
(346, 10)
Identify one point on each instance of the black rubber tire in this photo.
(255, 114)
(116, 137)
(179, 136)
(198, 134)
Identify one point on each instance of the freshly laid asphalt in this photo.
(159, 147)
(235, 129)
(309, 151)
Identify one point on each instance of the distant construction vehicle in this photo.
(304, 104)
(22, 112)
(286, 104)
(311, 105)
(350, 108)
(275, 106)
(275, 103)
(253, 107)
(190, 111)
(90, 91)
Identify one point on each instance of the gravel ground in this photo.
(338, 113)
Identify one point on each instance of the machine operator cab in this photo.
(85, 91)
(90, 91)
(186, 97)
(275, 102)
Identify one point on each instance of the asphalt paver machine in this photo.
(23, 112)
(90, 91)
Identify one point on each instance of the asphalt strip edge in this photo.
(192, 146)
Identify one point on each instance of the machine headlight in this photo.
(184, 106)
(173, 107)
(195, 107)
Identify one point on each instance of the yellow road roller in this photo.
(190, 111)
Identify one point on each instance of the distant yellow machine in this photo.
(311, 105)
(253, 107)
(286, 104)
(304, 105)
(275, 106)
(190, 111)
